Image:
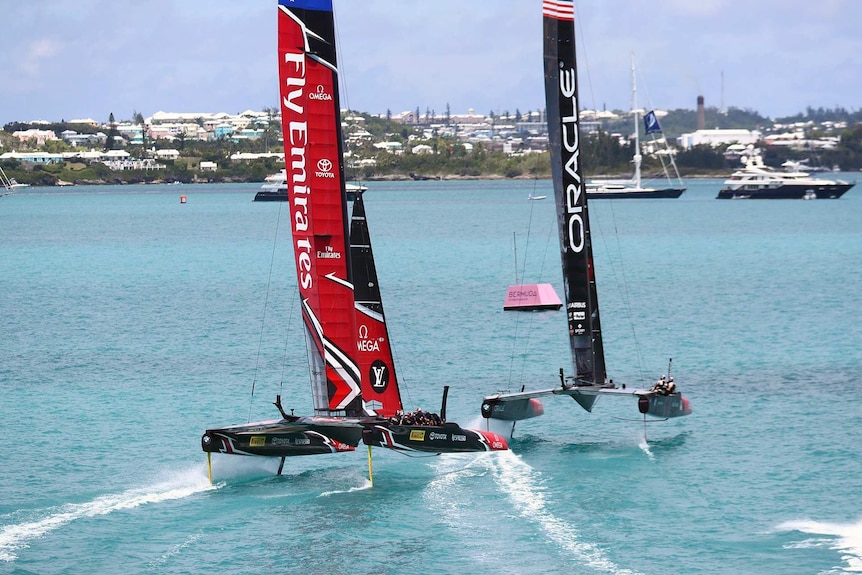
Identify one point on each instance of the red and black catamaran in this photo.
(355, 390)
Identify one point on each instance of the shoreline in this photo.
(387, 178)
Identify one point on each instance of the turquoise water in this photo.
(132, 322)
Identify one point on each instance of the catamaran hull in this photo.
(819, 192)
(446, 438)
(281, 195)
(665, 406)
(283, 438)
(667, 193)
(515, 410)
(519, 405)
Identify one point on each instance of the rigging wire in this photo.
(552, 232)
(514, 346)
(669, 160)
(583, 52)
(527, 244)
(621, 283)
(265, 308)
(622, 286)
(342, 75)
(529, 329)
(287, 335)
(403, 388)
(344, 96)
(515, 339)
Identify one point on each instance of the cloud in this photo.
(37, 54)
(775, 56)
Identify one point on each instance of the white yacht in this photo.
(274, 189)
(758, 181)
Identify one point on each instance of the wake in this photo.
(644, 446)
(525, 488)
(365, 486)
(18, 535)
(846, 538)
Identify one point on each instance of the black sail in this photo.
(374, 354)
(561, 94)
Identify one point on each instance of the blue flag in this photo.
(651, 123)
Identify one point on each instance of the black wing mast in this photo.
(579, 280)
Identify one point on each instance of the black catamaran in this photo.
(354, 387)
(582, 306)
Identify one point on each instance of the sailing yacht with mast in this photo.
(354, 389)
(615, 189)
(9, 184)
(589, 381)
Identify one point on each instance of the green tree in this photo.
(112, 133)
(701, 157)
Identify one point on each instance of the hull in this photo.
(820, 192)
(271, 196)
(525, 404)
(281, 195)
(666, 193)
(446, 438)
(536, 307)
(284, 438)
(671, 405)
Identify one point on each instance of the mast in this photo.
(561, 93)
(311, 125)
(515, 250)
(637, 155)
(379, 384)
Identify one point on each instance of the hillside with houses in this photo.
(213, 147)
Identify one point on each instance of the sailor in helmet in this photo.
(661, 384)
(671, 386)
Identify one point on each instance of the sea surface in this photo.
(132, 322)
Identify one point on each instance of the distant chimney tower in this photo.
(701, 114)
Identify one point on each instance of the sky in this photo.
(65, 60)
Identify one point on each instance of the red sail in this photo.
(311, 126)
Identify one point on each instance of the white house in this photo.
(716, 138)
(168, 154)
(250, 157)
(391, 147)
(33, 157)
